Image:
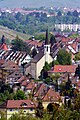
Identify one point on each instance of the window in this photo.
(23, 104)
(31, 109)
(47, 48)
(10, 109)
(24, 111)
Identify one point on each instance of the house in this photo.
(22, 82)
(16, 106)
(51, 97)
(71, 45)
(63, 69)
(13, 77)
(34, 43)
(7, 68)
(70, 27)
(18, 57)
(41, 90)
(30, 88)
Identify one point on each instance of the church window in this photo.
(47, 48)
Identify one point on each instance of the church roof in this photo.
(38, 57)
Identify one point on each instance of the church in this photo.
(37, 63)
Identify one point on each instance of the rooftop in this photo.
(63, 69)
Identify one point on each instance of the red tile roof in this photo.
(25, 83)
(78, 83)
(10, 64)
(34, 42)
(74, 45)
(31, 85)
(23, 80)
(13, 104)
(51, 96)
(65, 40)
(4, 46)
(42, 88)
(2, 61)
(63, 69)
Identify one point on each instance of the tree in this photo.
(2, 116)
(19, 45)
(66, 114)
(50, 108)
(5, 92)
(3, 39)
(44, 71)
(39, 110)
(77, 56)
(68, 84)
(20, 95)
(22, 116)
(59, 13)
(40, 37)
(69, 13)
(63, 57)
(75, 13)
(52, 40)
(77, 103)
(67, 89)
(77, 72)
(54, 79)
(34, 52)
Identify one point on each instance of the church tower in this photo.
(47, 47)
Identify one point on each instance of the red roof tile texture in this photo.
(63, 69)
(2, 61)
(41, 90)
(34, 42)
(51, 96)
(10, 64)
(20, 104)
(4, 46)
(31, 85)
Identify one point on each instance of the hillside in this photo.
(11, 34)
(39, 3)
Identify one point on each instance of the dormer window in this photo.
(23, 104)
(32, 103)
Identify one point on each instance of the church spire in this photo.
(47, 47)
(47, 37)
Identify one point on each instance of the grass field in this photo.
(11, 34)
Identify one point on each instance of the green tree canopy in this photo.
(39, 110)
(77, 56)
(20, 95)
(19, 45)
(63, 57)
(77, 72)
(34, 52)
(52, 40)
